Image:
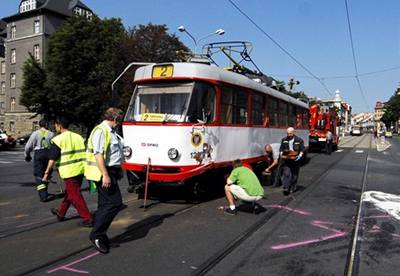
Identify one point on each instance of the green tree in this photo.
(34, 92)
(83, 59)
(391, 110)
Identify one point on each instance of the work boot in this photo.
(100, 246)
(54, 211)
(47, 198)
(86, 224)
(286, 191)
(229, 211)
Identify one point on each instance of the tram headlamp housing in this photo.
(173, 153)
(127, 152)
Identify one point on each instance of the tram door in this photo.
(201, 112)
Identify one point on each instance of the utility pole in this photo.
(292, 82)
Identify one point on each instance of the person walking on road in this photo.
(103, 165)
(67, 151)
(292, 150)
(243, 184)
(39, 143)
(328, 143)
(272, 151)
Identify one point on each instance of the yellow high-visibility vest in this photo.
(92, 171)
(72, 160)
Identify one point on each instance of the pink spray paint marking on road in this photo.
(71, 269)
(297, 211)
(319, 224)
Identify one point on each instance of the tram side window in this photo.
(202, 103)
(299, 117)
(305, 118)
(292, 115)
(273, 112)
(233, 106)
(283, 114)
(257, 108)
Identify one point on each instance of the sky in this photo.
(314, 32)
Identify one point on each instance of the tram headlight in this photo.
(173, 153)
(127, 152)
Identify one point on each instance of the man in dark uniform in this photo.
(292, 149)
(39, 143)
(103, 165)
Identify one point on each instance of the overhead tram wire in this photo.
(281, 47)
(354, 56)
(341, 77)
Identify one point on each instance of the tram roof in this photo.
(210, 72)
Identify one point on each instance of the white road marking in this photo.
(359, 151)
(339, 150)
(5, 162)
(385, 202)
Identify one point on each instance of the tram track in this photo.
(353, 259)
(138, 226)
(214, 260)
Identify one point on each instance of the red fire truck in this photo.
(323, 119)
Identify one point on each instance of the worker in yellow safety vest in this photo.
(67, 151)
(103, 166)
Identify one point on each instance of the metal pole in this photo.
(113, 100)
(146, 184)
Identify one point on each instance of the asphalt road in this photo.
(308, 233)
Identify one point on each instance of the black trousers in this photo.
(40, 160)
(289, 174)
(108, 205)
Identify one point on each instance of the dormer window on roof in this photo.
(27, 5)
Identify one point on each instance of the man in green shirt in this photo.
(243, 184)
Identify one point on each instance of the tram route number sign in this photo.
(153, 117)
(163, 71)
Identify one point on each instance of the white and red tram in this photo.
(189, 118)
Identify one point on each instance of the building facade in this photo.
(27, 32)
(343, 109)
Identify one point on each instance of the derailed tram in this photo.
(186, 119)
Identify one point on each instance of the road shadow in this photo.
(140, 229)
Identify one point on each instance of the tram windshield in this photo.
(173, 102)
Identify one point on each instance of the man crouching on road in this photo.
(243, 184)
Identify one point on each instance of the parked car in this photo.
(388, 134)
(7, 141)
(23, 139)
(356, 131)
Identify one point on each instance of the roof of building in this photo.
(3, 28)
(61, 7)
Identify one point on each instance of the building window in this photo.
(3, 88)
(3, 67)
(89, 15)
(13, 58)
(13, 32)
(12, 126)
(27, 5)
(13, 103)
(36, 52)
(78, 11)
(35, 125)
(13, 79)
(36, 27)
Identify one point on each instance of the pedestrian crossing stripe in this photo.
(5, 162)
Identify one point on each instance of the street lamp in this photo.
(197, 41)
